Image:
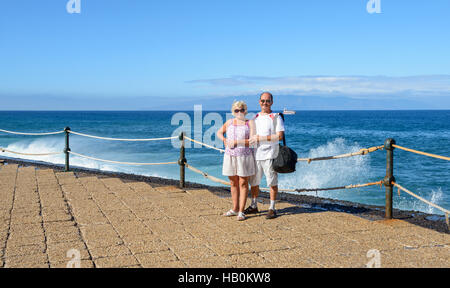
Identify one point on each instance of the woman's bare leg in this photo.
(234, 180)
(243, 187)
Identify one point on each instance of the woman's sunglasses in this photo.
(241, 110)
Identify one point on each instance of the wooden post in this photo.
(389, 178)
(181, 161)
(67, 149)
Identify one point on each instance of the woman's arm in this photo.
(242, 143)
(220, 133)
(247, 142)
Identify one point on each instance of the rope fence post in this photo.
(389, 179)
(182, 161)
(67, 149)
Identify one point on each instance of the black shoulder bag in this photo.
(286, 159)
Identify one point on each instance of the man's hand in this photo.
(253, 140)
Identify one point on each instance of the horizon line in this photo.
(165, 110)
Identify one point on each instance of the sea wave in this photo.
(321, 174)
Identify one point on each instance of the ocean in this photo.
(309, 133)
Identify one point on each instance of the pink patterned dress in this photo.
(239, 160)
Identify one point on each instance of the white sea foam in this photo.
(43, 145)
(322, 174)
(50, 145)
(436, 196)
(55, 144)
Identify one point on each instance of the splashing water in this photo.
(436, 197)
(49, 145)
(331, 173)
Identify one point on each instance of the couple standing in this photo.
(243, 164)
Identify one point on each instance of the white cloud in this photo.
(431, 85)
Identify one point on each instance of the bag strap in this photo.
(284, 134)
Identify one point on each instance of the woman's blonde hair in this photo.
(239, 104)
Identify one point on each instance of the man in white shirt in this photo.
(269, 131)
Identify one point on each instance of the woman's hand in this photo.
(230, 143)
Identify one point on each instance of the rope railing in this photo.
(29, 154)
(118, 162)
(217, 180)
(204, 144)
(424, 200)
(32, 134)
(351, 186)
(206, 175)
(389, 180)
(363, 151)
(422, 153)
(120, 139)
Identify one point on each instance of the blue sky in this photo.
(141, 49)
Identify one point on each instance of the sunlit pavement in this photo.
(54, 219)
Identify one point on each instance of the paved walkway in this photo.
(44, 215)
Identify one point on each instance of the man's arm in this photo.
(274, 138)
(271, 138)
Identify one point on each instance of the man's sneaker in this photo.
(251, 210)
(271, 214)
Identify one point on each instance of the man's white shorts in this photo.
(264, 166)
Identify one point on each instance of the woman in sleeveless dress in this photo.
(238, 161)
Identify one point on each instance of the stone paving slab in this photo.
(47, 216)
